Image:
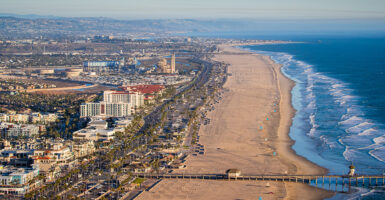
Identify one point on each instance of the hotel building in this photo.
(114, 104)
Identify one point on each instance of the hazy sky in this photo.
(260, 9)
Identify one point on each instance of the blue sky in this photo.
(201, 9)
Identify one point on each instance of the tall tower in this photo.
(172, 63)
(121, 64)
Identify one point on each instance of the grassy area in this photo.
(139, 180)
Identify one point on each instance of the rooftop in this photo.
(144, 89)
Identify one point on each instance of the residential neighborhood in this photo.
(118, 117)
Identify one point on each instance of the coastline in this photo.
(259, 96)
(297, 164)
(286, 113)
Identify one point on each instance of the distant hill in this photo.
(35, 25)
(30, 16)
(27, 26)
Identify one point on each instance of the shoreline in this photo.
(234, 139)
(285, 86)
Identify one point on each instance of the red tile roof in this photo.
(118, 92)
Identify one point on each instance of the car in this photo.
(99, 186)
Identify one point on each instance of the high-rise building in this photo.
(112, 96)
(164, 67)
(90, 109)
(114, 104)
(172, 70)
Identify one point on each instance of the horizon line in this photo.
(40, 16)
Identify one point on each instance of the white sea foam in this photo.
(363, 138)
(356, 141)
(308, 70)
(352, 121)
(337, 85)
(330, 143)
(379, 140)
(360, 127)
(348, 97)
(367, 132)
(343, 99)
(310, 87)
(313, 124)
(312, 131)
(368, 192)
(311, 105)
(348, 153)
(337, 93)
(378, 153)
(345, 116)
(376, 142)
(301, 63)
(310, 95)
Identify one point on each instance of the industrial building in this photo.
(103, 66)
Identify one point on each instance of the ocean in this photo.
(339, 99)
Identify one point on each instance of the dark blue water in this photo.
(340, 100)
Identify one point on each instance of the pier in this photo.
(323, 181)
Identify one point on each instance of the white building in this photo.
(52, 158)
(94, 134)
(90, 109)
(111, 96)
(83, 148)
(19, 118)
(18, 130)
(59, 152)
(23, 131)
(136, 99)
(16, 181)
(25, 118)
(96, 131)
(43, 118)
(121, 124)
(114, 104)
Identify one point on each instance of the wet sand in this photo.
(248, 131)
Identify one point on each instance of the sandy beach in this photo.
(248, 131)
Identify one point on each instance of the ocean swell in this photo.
(330, 114)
